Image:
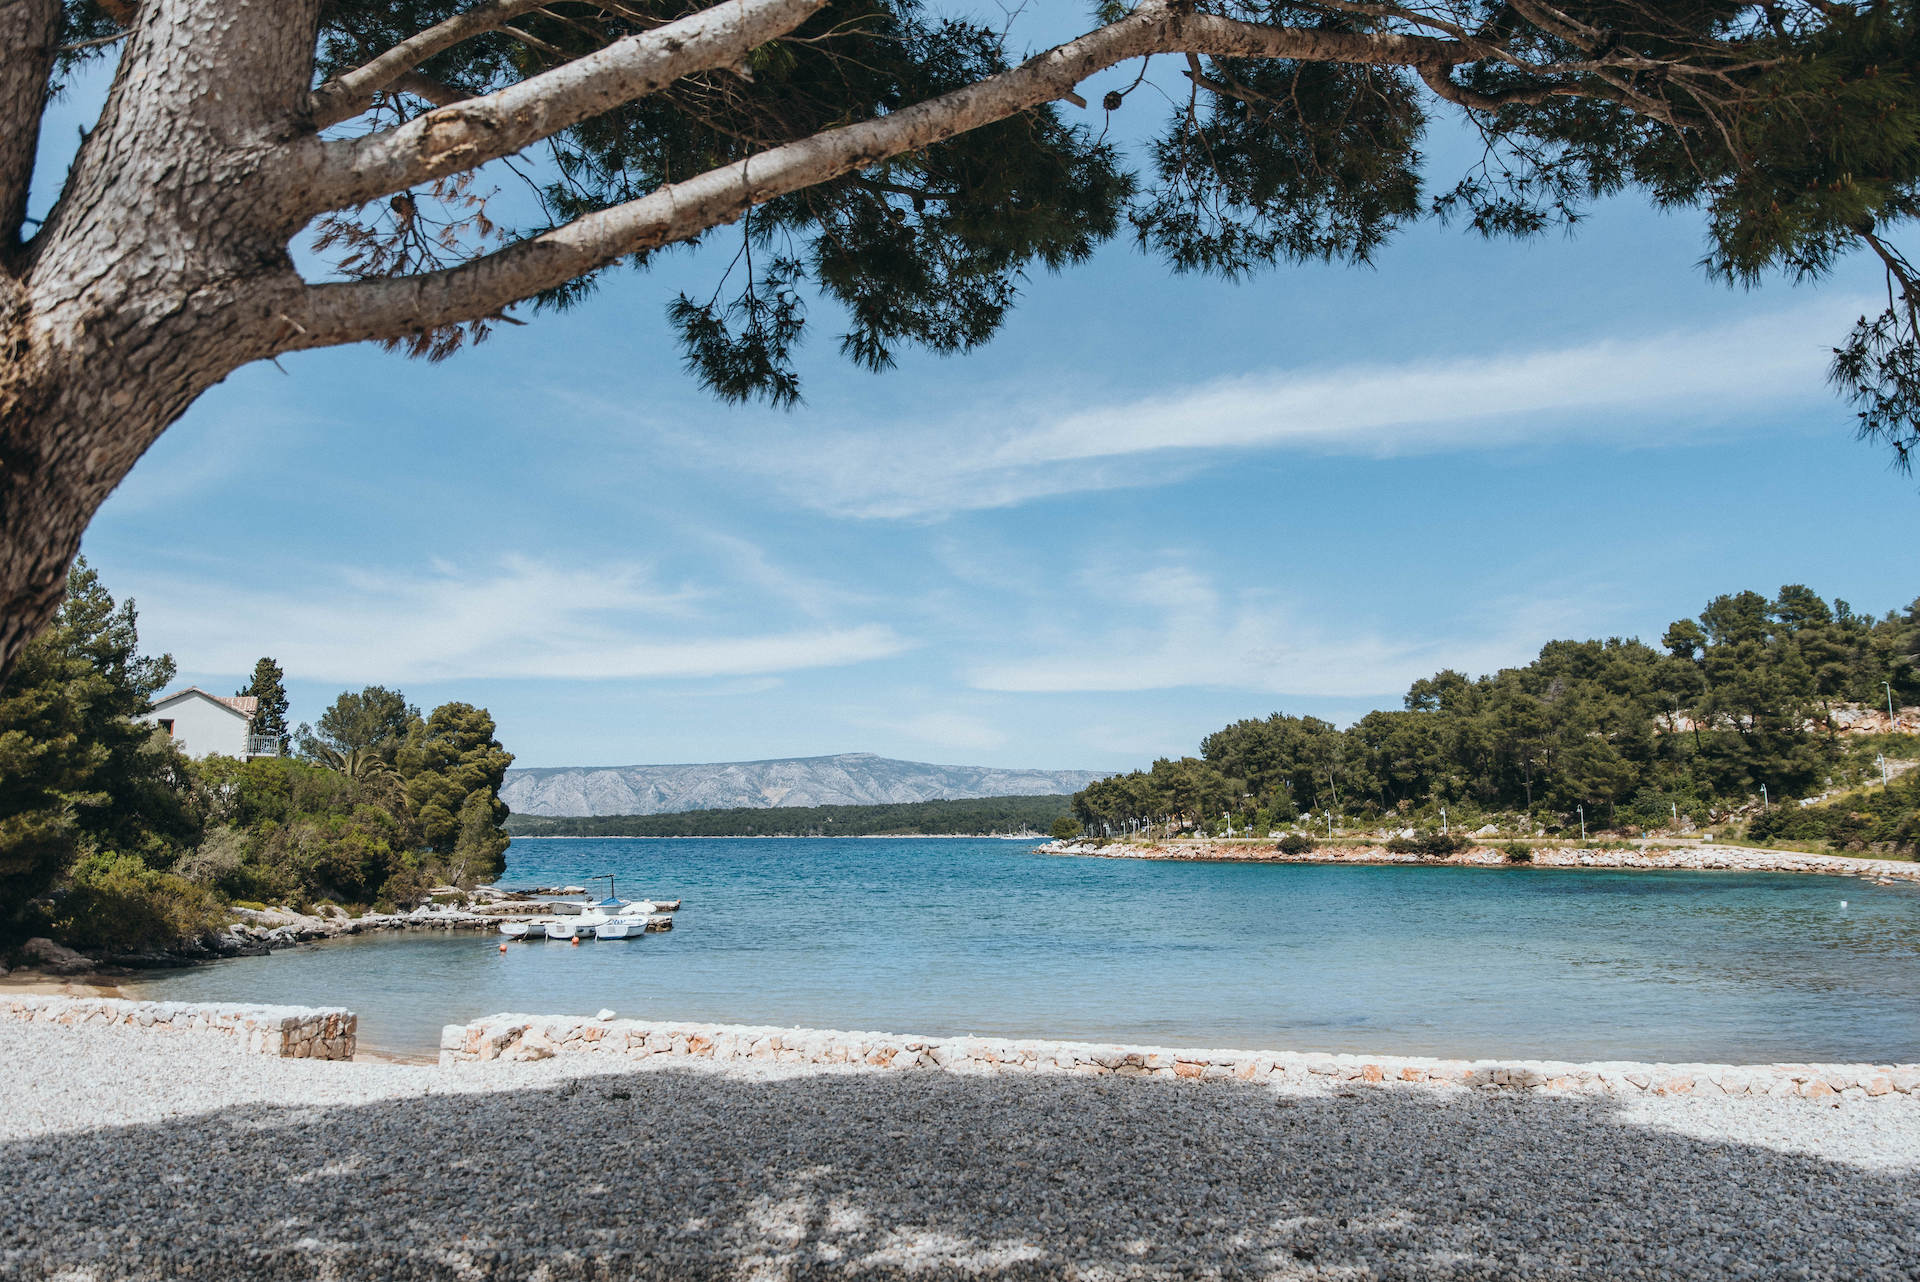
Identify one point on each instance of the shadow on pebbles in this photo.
(143, 1156)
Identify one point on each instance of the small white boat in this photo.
(569, 928)
(520, 929)
(622, 926)
(598, 915)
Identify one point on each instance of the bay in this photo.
(953, 936)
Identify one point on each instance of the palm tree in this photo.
(370, 773)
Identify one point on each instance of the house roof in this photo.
(243, 705)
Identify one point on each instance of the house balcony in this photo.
(262, 745)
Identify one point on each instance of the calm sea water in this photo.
(975, 936)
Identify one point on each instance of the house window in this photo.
(166, 723)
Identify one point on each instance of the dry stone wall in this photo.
(290, 1032)
(531, 1037)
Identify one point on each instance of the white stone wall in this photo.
(290, 1032)
(525, 1037)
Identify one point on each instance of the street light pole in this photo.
(1583, 821)
(1893, 727)
(1763, 796)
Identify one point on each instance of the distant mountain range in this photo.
(850, 779)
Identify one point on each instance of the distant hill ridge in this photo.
(848, 779)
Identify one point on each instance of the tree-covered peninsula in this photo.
(969, 816)
(1747, 705)
(112, 840)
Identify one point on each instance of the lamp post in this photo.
(1763, 796)
(1583, 821)
(1893, 727)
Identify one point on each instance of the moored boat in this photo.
(597, 915)
(622, 926)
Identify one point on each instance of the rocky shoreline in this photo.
(258, 931)
(1700, 858)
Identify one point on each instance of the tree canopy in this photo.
(903, 166)
(374, 722)
(76, 771)
(453, 768)
(1748, 695)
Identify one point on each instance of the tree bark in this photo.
(469, 134)
(386, 309)
(27, 31)
(163, 268)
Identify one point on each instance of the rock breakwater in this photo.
(534, 1037)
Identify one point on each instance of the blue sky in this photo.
(1154, 504)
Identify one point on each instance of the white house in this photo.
(202, 724)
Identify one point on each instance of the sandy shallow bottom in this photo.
(134, 1155)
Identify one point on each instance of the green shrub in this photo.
(407, 888)
(1296, 843)
(116, 903)
(217, 859)
(1516, 853)
(1065, 828)
(1428, 845)
(1884, 819)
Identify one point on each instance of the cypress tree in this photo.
(269, 687)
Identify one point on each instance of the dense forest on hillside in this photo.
(1750, 694)
(983, 815)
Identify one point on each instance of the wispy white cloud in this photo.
(748, 565)
(1192, 633)
(1031, 446)
(522, 619)
(956, 731)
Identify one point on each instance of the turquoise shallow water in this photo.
(976, 936)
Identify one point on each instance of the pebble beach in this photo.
(134, 1154)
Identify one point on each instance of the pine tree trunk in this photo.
(162, 270)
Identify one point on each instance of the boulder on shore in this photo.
(55, 959)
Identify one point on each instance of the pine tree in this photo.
(77, 772)
(453, 767)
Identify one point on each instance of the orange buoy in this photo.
(576, 941)
(503, 948)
